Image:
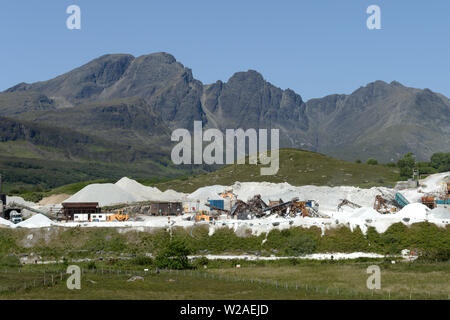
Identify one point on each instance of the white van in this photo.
(98, 217)
(81, 217)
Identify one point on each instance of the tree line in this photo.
(439, 162)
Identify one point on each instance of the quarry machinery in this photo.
(277, 207)
(120, 215)
(385, 205)
(429, 202)
(257, 206)
(228, 193)
(203, 215)
(346, 202)
(298, 207)
(380, 204)
(217, 208)
(308, 208)
(240, 210)
(401, 200)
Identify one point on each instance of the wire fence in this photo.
(46, 278)
(31, 280)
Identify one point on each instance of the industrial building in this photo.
(69, 209)
(166, 208)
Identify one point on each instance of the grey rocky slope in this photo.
(141, 100)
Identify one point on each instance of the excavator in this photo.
(118, 216)
(202, 215)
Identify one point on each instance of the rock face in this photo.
(139, 101)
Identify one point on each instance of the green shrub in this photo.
(201, 262)
(174, 256)
(142, 261)
(9, 261)
(435, 255)
(300, 244)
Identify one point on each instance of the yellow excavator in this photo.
(118, 216)
(202, 215)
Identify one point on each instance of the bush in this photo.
(174, 256)
(91, 265)
(9, 261)
(201, 262)
(372, 161)
(300, 245)
(435, 255)
(142, 261)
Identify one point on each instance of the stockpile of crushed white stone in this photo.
(36, 221)
(19, 200)
(6, 223)
(123, 191)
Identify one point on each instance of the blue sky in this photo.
(313, 47)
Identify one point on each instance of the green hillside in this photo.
(297, 167)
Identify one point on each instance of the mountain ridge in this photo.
(381, 120)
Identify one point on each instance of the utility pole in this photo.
(416, 176)
(2, 198)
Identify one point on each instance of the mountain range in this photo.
(121, 108)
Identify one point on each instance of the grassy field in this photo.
(298, 168)
(305, 281)
(117, 255)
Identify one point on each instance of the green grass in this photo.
(298, 168)
(34, 178)
(75, 187)
(428, 279)
(304, 281)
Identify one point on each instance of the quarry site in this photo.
(224, 159)
(255, 206)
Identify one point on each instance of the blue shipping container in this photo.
(217, 203)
